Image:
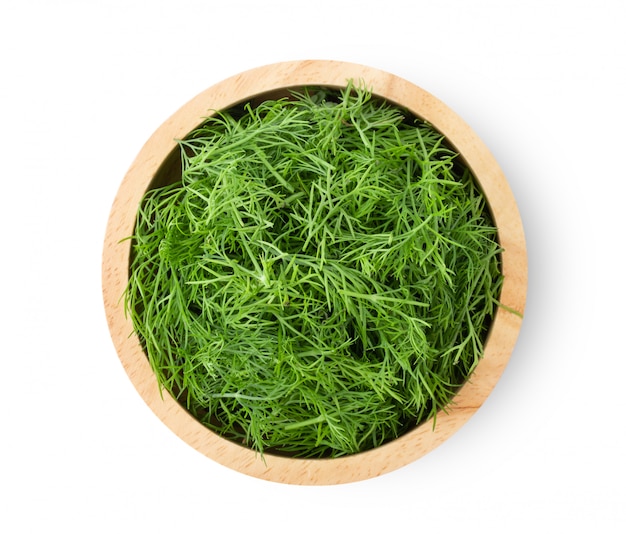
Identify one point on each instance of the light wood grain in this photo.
(506, 325)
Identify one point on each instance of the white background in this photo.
(85, 83)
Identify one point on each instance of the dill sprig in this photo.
(320, 280)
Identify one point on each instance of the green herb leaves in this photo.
(320, 280)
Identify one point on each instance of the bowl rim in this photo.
(505, 326)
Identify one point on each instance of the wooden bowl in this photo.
(159, 156)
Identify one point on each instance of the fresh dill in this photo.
(320, 280)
